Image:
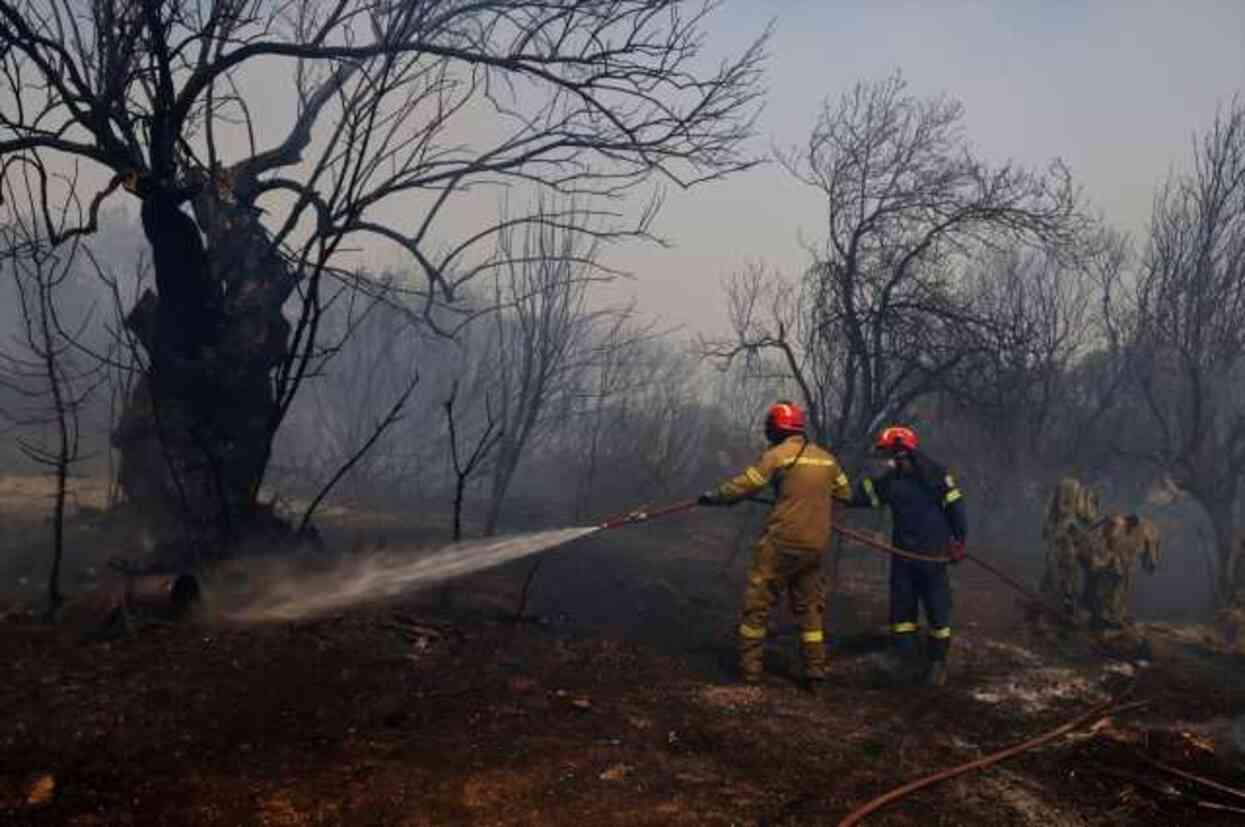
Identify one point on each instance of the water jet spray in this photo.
(293, 595)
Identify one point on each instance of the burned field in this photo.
(609, 703)
(334, 330)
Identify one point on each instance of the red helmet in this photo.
(897, 438)
(785, 418)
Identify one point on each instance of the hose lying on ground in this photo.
(1102, 710)
(1196, 779)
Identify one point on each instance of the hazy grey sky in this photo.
(1115, 89)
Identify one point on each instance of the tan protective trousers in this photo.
(798, 571)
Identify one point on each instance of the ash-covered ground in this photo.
(609, 702)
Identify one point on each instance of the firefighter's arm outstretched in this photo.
(743, 485)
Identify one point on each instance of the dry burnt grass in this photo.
(613, 708)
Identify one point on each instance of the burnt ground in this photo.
(609, 704)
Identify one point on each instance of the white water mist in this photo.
(366, 580)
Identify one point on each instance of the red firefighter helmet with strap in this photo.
(897, 438)
(785, 418)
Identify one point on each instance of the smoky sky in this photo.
(1114, 89)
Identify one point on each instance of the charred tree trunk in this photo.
(55, 598)
(196, 433)
(503, 473)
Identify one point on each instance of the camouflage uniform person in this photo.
(1142, 548)
(788, 555)
(1102, 578)
(1109, 561)
(1070, 513)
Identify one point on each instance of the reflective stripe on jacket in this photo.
(927, 506)
(804, 477)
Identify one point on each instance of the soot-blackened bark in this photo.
(197, 430)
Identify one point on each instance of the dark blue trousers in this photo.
(915, 584)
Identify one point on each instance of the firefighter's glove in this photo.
(955, 550)
(709, 498)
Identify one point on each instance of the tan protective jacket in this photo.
(804, 477)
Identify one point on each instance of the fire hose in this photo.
(886, 548)
(1101, 710)
(643, 515)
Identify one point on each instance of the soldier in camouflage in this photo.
(1109, 561)
(1142, 547)
(1070, 513)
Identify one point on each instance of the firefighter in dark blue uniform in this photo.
(927, 511)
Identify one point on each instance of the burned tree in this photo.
(397, 109)
(1033, 318)
(541, 340)
(376, 354)
(1183, 341)
(466, 467)
(879, 317)
(664, 430)
(44, 367)
(608, 385)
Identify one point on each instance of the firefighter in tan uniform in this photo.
(788, 555)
